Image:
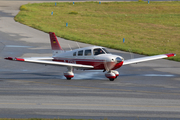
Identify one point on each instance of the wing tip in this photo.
(170, 54)
(17, 59)
(9, 58)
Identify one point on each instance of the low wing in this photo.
(48, 60)
(142, 59)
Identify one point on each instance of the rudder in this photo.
(54, 41)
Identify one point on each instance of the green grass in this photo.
(148, 29)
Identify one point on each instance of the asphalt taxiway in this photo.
(149, 90)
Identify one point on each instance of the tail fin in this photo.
(54, 41)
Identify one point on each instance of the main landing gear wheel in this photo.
(69, 74)
(111, 79)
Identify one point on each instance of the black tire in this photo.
(68, 78)
(111, 79)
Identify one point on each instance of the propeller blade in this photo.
(109, 65)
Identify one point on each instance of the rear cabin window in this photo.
(74, 54)
(88, 52)
(80, 53)
(98, 51)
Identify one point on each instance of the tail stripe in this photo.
(54, 42)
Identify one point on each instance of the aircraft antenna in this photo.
(77, 44)
(132, 55)
(70, 47)
(2, 47)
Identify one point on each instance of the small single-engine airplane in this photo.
(87, 58)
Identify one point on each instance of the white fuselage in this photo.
(96, 56)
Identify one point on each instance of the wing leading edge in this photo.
(142, 59)
(48, 60)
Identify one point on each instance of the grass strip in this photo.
(148, 29)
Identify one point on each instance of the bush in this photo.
(23, 8)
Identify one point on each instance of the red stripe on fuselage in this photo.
(98, 64)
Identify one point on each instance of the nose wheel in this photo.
(112, 75)
(68, 78)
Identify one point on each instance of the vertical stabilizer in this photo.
(54, 41)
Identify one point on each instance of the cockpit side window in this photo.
(98, 51)
(106, 50)
(74, 54)
(80, 53)
(88, 52)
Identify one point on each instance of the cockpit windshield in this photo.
(106, 50)
(98, 51)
